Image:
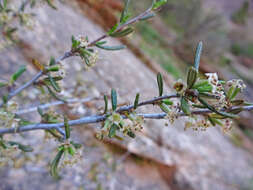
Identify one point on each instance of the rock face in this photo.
(177, 159)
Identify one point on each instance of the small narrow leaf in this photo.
(17, 74)
(125, 14)
(112, 131)
(111, 48)
(234, 94)
(67, 129)
(24, 148)
(230, 92)
(211, 121)
(160, 83)
(113, 29)
(76, 145)
(205, 88)
(197, 55)
(75, 43)
(191, 77)
(200, 83)
(167, 102)
(106, 104)
(114, 99)
(49, 2)
(211, 108)
(237, 102)
(158, 4)
(54, 84)
(71, 151)
(164, 108)
(5, 4)
(2, 84)
(131, 134)
(136, 101)
(53, 68)
(40, 111)
(55, 163)
(52, 61)
(209, 95)
(101, 42)
(185, 106)
(51, 92)
(122, 33)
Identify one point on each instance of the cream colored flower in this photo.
(237, 83)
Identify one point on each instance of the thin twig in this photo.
(100, 118)
(152, 101)
(71, 53)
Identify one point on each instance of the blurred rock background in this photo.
(160, 157)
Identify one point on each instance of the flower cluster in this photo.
(7, 115)
(236, 83)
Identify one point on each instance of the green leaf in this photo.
(2, 84)
(75, 43)
(40, 111)
(24, 148)
(55, 163)
(51, 92)
(234, 94)
(5, 99)
(160, 83)
(136, 101)
(214, 121)
(167, 102)
(67, 129)
(106, 104)
(164, 108)
(112, 131)
(237, 102)
(158, 4)
(52, 61)
(200, 83)
(236, 111)
(113, 29)
(197, 55)
(125, 14)
(204, 88)
(71, 151)
(198, 106)
(131, 134)
(122, 33)
(76, 145)
(101, 42)
(54, 84)
(185, 106)
(191, 77)
(230, 92)
(208, 95)
(211, 108)
(17, 74)
(111, 48)
(114, 99)
(2, 144)
(53, 68)
(5, 4)
(49, 2)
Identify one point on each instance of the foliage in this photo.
(214, 100)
